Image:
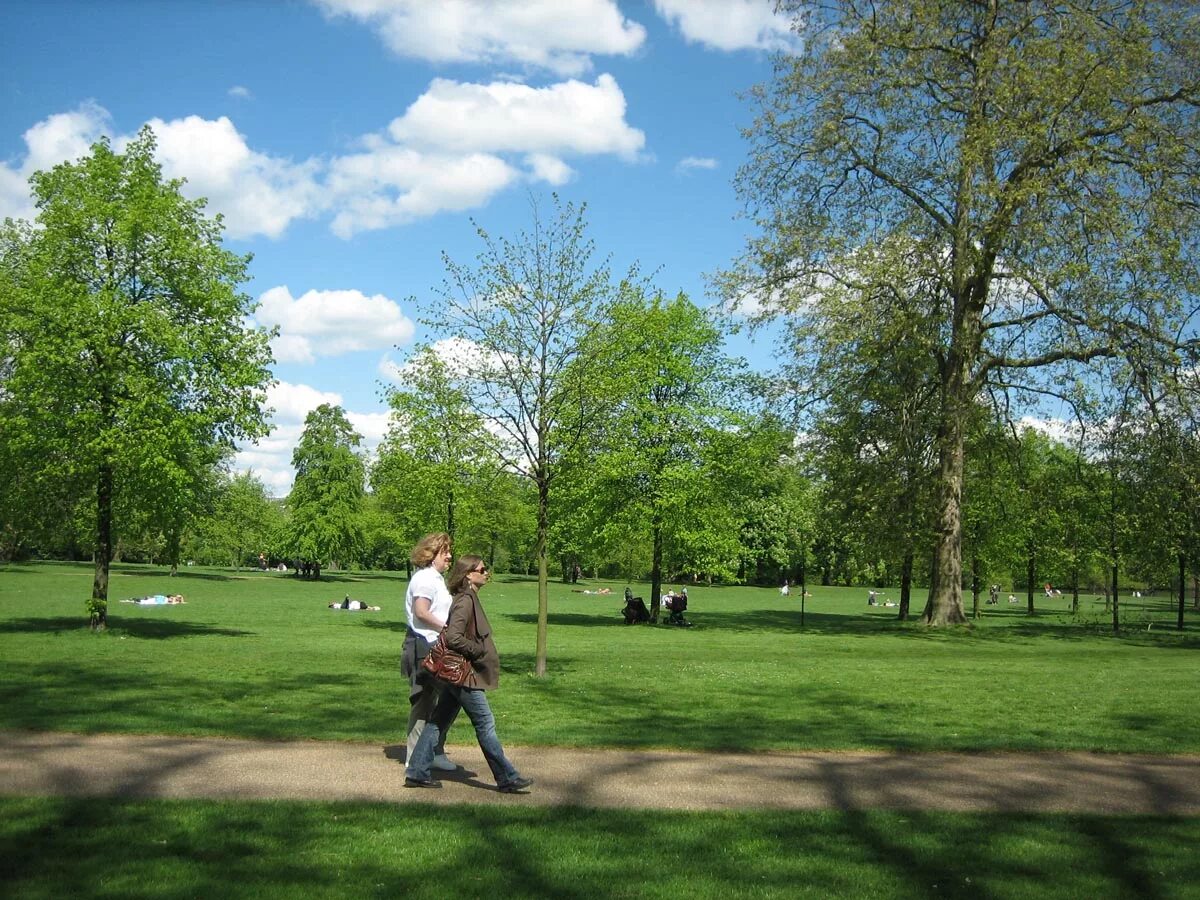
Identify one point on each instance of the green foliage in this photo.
(1037, 161)
(524, 317)
(325, 506)
(130, 369)
(437, 459)
(244, 522)
(667, 396)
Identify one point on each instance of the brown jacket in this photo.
(469, 632)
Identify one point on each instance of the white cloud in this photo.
(292, 402)
(372, 427)
(329, 323)
(569, 117)
(730, 24)
(549, 168)
(55, 139)
(539, 34)
(1059, 430)
(393, 185)
(240, 92)
(690, 163)
(454, 149)
(258, 194)
(445, 154)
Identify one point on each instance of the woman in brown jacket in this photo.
(468, 632)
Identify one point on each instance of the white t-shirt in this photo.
(428, 583)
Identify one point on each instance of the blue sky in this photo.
(348, 143)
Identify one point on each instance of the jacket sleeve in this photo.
(458, 633)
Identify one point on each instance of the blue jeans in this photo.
(475, 704)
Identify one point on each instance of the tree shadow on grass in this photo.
(571, 619)
(65, 846)
(137, 628)
(181, 575)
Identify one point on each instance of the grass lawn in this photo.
(260, 655)
(92, 848)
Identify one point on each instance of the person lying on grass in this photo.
(353, 605)
(156, 600)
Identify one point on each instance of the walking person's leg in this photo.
(479, 711)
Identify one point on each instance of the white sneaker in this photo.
(442, 763)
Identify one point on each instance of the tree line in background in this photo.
(967, 214)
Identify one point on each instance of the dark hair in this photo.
(464, 567)
(429, 547)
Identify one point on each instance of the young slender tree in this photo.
(127, 353)
(1040, 158)
(527, 312)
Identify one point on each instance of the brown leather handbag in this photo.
(446, 664)
(449, 665)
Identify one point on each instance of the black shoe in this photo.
(515, 786)
(421, 782)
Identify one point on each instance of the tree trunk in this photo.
(656, 572)
(1116, 603)
(98, 608)
(1182, 587)
(1030, 576)
(906, 571)
(1074, 591)
(975, 587)
(543, 528)
(945, 606)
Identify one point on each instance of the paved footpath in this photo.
(139, 766)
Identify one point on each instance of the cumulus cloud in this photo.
(564, 118)
(448, 151)
(55, 139)
(393, 185)
(689, 164)
(257, 193)
(537, 34)
(329, 323)
(456, 147)
(550, 169)
(730, 24)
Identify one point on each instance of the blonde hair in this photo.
(429, 547)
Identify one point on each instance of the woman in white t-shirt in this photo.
(427, 606)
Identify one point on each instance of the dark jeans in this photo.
(475, 704)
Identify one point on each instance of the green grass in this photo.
(259, 655)
(54, 848)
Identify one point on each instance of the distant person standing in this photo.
(427, 608)
(785, 590)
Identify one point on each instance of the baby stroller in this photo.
(635, 610)
(676, 605)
